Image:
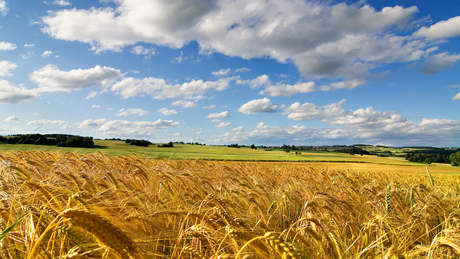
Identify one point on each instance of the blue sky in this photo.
(233, 71)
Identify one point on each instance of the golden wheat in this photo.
(93, 206)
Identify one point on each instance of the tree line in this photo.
(427, 158)
(57, 140)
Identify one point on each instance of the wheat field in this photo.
(64, 205)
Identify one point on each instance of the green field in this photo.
(187, 151)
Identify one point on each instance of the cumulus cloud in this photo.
(58, 2)
(131, 111)
(222, 72)
(95, 106)
(238, 128)
(223, 124)
(6, 45)
(288, 90)
(393, 132)
(456, 97)
(92, 94)
(166, 111)
(126, 128)
(310, 111)
(256, 82)
(442, 29)
(279, 89)
(47, 53)
(5, 67)
(10, 93)
(140, 50)
(243, 69)
(220, 115)
(439, 62)
(29, 45)
(11, 118)
(213, 106)
(322, 39)
(258, 106)
(155, 22)
(369, 124)
(158, 88)
(63, 124)
(92, 123)
(50, 78)
(184, 104)
(27, 55)
(3, 9)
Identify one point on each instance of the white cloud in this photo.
(27, 55)
(46, 53)
(310, 111)
(243, 69)
(369, 124)
(288, 90)
(222, 72)
(238, 128)
(92, 123)
(166, 111)
(11, 118)
(349, 83)
(223, 124)
(456, 97)
(220, 115)
(51, 79)
(92, 94)
(184, 104)
(258, 106)
(3, 9)
(15, 94)
(140, 50)
(439, 62)
(5, 67)
(63, 124)
(442, 29)
(131, 111)
(159, 89)
(213, 106)
(29, 45)
(58, 2)
(278, 89)
(126, 128)
(322, 39)
(391, 131)
(95, 106)
(155, 22)
(256, 82)
(6, 45)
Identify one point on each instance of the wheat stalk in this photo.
(104, 231)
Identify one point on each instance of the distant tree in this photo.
(253, 146)
(88, 142)
(170, 144)
(428, 160)
(74, 141)
(60, 139)
(136, 142)
(455, 159)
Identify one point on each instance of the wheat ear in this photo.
(387, 199)
(105, 232)
(273, 240)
